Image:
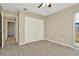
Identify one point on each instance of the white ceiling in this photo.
(32, 7)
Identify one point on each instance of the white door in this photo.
(33, 29)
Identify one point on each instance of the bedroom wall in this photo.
(60, 26)
(21, 27)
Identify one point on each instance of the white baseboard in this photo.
(22, 43)
(61, 44)
(50, 41)
(76, 44)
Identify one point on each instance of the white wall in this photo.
(34, 29)
(60, 26)
(21, 27)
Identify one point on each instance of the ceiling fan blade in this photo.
(40, 5)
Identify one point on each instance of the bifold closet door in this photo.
(33, 29)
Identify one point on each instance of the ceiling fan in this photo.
(44, 4)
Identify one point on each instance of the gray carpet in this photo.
(39, 48)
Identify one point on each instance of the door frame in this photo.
(17, 28)
(2, 30)
(15, 25)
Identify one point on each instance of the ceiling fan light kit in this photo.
(44, 4)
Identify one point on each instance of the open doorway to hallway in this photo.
(11, 38)
(10, 30)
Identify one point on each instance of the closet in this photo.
(33, 29)
(11, 30)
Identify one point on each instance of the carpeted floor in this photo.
(39, 48)
(10, 40)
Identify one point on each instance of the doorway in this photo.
(11, 38)
(10, 31)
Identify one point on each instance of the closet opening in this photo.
(11, 38)
(10, 31)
